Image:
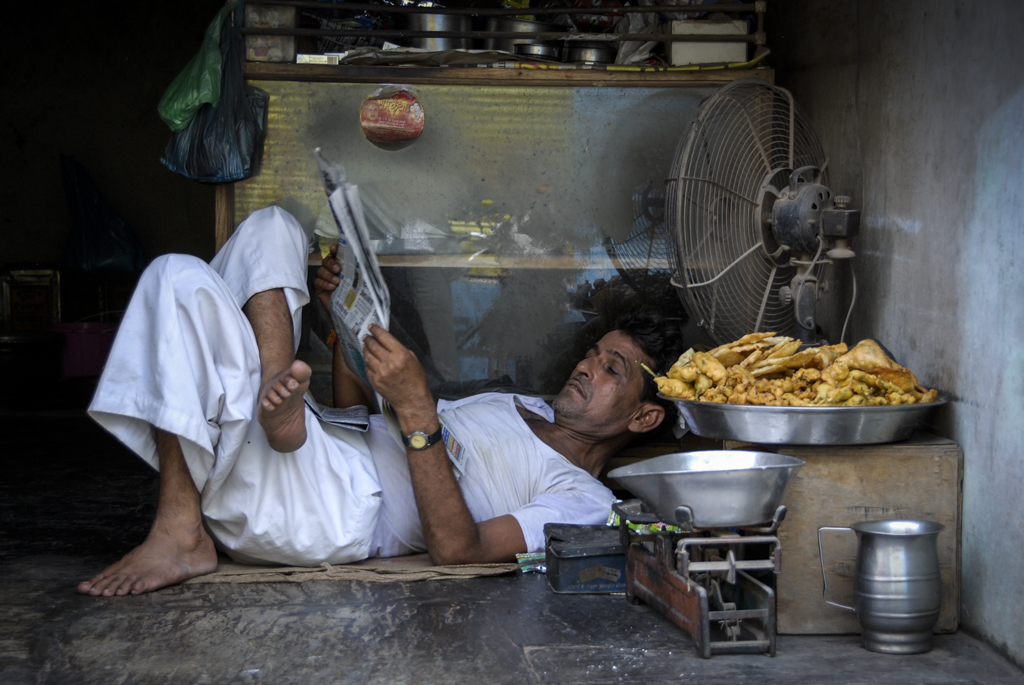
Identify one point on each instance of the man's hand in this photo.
(451, 535)
(396, 373)
(327, 279)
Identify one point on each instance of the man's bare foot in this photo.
(166, 557)
(282, 409)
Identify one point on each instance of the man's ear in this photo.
(648, 417)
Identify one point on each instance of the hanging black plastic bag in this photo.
(224, 143)
(99, 237)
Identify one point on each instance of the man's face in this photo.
(603, 392)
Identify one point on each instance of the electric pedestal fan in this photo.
(753, 223)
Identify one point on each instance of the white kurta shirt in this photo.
(507, 470)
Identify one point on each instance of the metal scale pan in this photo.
(711, 489)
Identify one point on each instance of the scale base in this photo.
(743, 619)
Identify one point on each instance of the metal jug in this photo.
(896, 588)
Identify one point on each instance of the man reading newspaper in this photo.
(203, 384)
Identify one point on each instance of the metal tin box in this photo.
(584, 559)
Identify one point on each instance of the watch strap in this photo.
(418, 440)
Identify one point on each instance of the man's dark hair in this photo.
(659, 340)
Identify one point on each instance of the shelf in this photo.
(498, 76)
(492, 262)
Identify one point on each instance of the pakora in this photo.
(767, 369)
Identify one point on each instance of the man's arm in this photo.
(451, 535)
(348, 389)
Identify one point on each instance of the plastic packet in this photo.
(533, 562)
(391, 114)
(641, 528)
(634, 51)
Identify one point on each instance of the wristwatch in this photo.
(420, 440)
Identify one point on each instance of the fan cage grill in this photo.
(747, 136)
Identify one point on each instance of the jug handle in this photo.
(824, 580)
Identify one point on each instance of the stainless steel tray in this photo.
(803, 425)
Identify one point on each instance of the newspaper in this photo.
(353, 418)
(362, 298)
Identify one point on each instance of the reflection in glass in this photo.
(494, 227)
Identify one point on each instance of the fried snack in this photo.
(709, 366)
(752, 338)
(673, 387)
(730, 357)
(766, 369)
(867, 355)
(784, 349)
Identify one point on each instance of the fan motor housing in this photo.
(796, 216)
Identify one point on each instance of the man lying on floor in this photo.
(203, 384)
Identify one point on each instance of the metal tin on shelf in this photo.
(541, 50)
(590, 53)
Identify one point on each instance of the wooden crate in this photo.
(919, 478)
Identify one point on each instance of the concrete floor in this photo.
(72, 500)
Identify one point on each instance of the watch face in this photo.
(418, 441)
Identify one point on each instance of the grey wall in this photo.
(84, 79)
(921, 107)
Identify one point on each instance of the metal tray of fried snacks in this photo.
(766, 425)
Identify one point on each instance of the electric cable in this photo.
(853, 299)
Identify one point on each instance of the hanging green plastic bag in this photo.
(224, 142)
(199, 82)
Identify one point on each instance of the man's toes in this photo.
(120, 587)
(301, 371)
(96, 585)
(126, 586)
(110, 587)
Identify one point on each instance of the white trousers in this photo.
(185, 361)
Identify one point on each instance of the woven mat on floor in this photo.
(393, 570)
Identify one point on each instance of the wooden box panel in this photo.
(919, 478)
